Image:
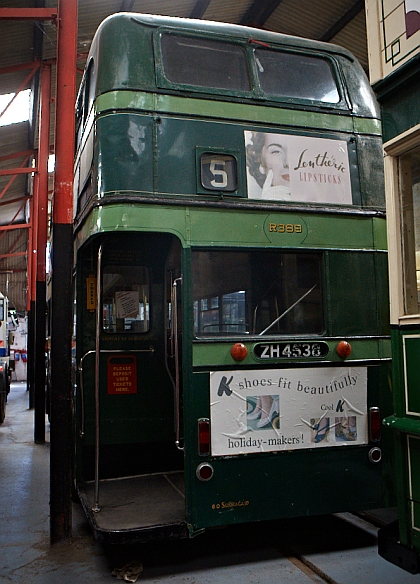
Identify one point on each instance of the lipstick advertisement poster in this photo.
(281, 167)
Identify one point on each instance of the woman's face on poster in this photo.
(274, 157)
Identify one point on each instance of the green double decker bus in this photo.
(231, 296)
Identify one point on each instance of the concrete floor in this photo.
(25, 551)
(335, 550)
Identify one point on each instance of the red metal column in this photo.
(32, 287)
(31, 245)
(41, 247)
(62, 261)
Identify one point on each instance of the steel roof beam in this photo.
(259, 12)
(12, 249)
(28, 13)
(21, 154)
(20, 67)
(16, 254)
(126, 6)
(18, 171)
(343, 21)
(15, 171)
(15, 226)
(11, 201)
(199, 8)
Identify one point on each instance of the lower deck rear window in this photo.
(257, 292)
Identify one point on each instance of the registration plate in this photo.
(290, 350)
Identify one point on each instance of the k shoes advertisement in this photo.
(289, 409)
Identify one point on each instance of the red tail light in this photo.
(203, 437)
(343, 349)
(374, 424)
(239, 351)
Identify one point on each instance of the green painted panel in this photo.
(141, 152)
(379, 233)
(251, 113)
(364, 126)
(170, 104)
(198, 226)
(403, 425)
(414, 457)
(118, 47)
(123, 159)
(355, 298)
(370, 165)
(412, 372)
(216, 354)
(415, 540)
(136, 152)
(400, 108)
(398, 371)
(125, 100)
(128, 218)
(416, 515)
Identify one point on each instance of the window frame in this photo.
(255, 92)
(148, 310)
(163, 82)
(340, 104)
(201, 336)
(400, 313)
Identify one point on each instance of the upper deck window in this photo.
(295, 75)
(204, 63)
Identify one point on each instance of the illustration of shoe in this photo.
(255, 414)
(343, 431)
(321, 428)
(273, 414)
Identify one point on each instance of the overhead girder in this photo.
(199, 8)
(28, 14)
(357, 7)
(259, 12)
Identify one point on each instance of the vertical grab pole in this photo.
(176, 356)
(96, 507)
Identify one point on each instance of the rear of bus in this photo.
(231, 282)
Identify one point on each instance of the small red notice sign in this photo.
(122, 375)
